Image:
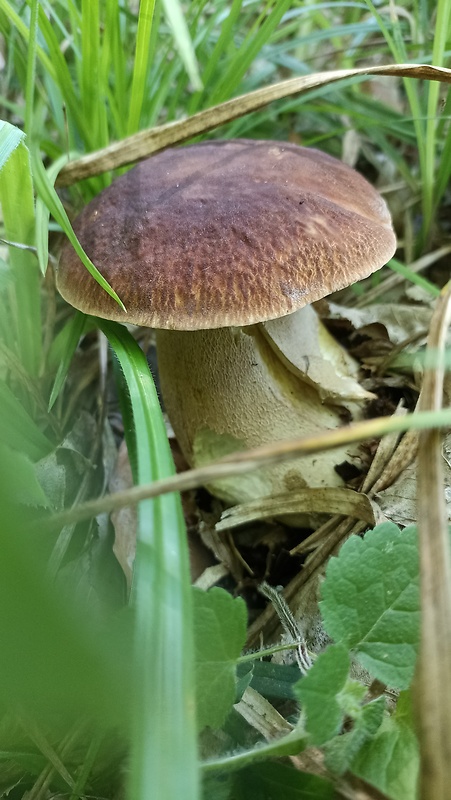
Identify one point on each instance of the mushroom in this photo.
(208, 244)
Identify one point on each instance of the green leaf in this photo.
(244, 675)
(319, 692)
(20, 481)
(289, 745)
(371, 602)
(341, 751)
(217, 787)
(390, 761)
(279, 782)
(275, 681)
(220, 633)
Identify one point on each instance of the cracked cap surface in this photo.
(226, 233)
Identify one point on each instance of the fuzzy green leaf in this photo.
(390, 761)
(321, 693)
(371, 601)
(291, 744)
(341, 751)
(220, 633)
(279, 782)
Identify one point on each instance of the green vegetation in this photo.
(147, 697)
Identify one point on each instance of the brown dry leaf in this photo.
(308, 350)
(399, 502)
(384, 453)
(387, 92)
(125, 523)
(302, 502)
(261, 715)
(143, 144)
(211, 576)
(393, 321)
(125, 520)
(226, 552)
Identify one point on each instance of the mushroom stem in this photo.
(227, 390)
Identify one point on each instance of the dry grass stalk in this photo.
(433, 680)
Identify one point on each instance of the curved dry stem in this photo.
(143, 144)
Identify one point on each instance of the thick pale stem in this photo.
(227, 390)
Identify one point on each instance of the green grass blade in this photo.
(441, 33)
(42, 217)
(224, 41)
(17, 429)
(398, 50)
(17, 201)
(90, 23)
(94, 86)
(246, 54)
(434, 183)
(113, 60)
(177, 23)
(68, 345)
(63, 79)
(414, 278)
(49, 196)
(31, 68)
(18, 23)
(141, 64)
(444, 171)
(10, 138)
(164, 753)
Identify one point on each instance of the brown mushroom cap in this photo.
(226, 233)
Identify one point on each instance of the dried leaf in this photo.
(308, 350)
(395, 322)
(304, 501)
(125, 520)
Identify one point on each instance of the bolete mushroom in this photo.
(206, 244)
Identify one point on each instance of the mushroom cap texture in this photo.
(226, 233)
